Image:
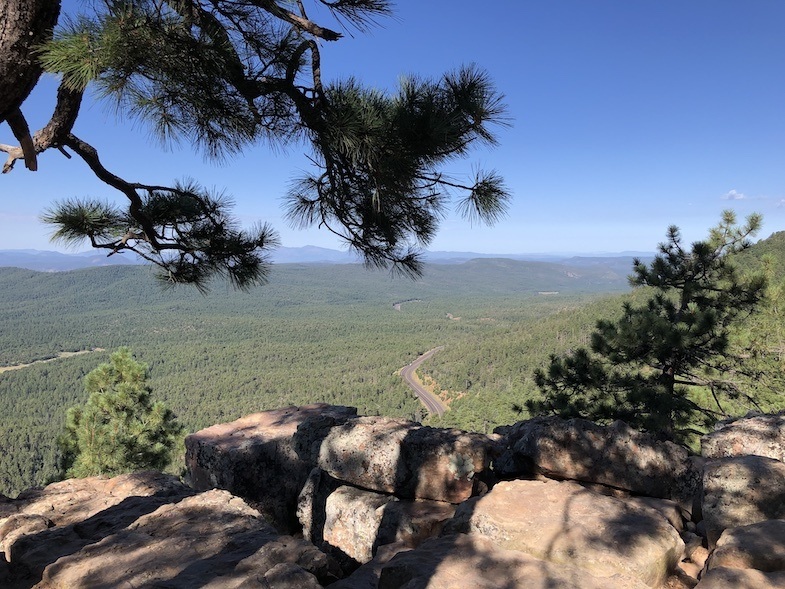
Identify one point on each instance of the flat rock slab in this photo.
(265, 457)
(79, 502)
(727, 578)
(406, 459)
(761, 435)
(463, 561)
(741, 490)
(147, 529)
(211, 539)
(758, 546)
(566, 524)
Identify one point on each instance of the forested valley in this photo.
(316, 333)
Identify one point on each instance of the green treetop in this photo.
(120, 428)
(643, 367)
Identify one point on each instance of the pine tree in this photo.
(120, 428)
(645, 367)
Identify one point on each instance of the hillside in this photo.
(488, 377)
(316, 333)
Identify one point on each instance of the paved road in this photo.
(431, 401)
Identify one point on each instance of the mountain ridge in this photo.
(53, 261)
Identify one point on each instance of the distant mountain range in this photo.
(50, 261)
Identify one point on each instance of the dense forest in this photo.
(318, 333)
(487, 379)
(330, 333)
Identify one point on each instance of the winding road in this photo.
(408, 373)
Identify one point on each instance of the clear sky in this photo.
(628, 116)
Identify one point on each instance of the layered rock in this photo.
(70, 509)
(565, 523)
(359, 521)
(208, 540)
(364, 490)
(729, 578)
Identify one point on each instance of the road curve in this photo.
(408, 373)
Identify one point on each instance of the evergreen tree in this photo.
(223, 75)
(120, 428)
(644, 367)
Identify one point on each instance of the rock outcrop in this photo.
(254, 455)
(406, 459)
(616, 456)
(145, 530)
(462, 560)
(757, 435)
(379, 503)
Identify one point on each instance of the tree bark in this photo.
(24, 24)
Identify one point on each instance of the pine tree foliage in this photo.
(120, 428)
(222, 75)
(644, 367)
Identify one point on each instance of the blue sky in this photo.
(627, 117)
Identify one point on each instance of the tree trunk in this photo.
(24, 24)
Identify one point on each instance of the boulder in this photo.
(359, 521)
(79, 504)
(727, 578)
(473, 561)
(264, 458)
(759, 435)
(615, 455)
(406, 459)
(757, 546)
(210, 539)
(147, 529)
(565, 523)
(741, 490)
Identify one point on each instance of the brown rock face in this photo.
(757, 546)
(406, 459)
(725, 578)
(616, 455)
(564, 523)
(741, 490)
(762, 435)
(265, 457)
(461, 561)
